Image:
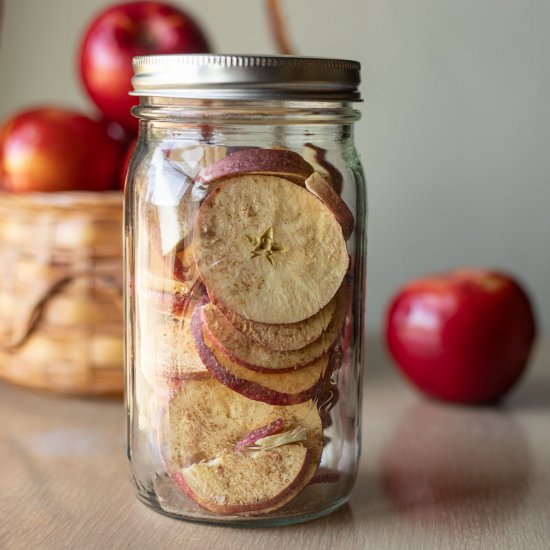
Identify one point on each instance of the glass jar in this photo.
(245, 236)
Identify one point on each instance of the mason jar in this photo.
(245, 244)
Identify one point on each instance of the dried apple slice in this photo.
(174, 273)
(296, 435)
(184, 303)
(173, 353)
(325, 475)
(269, 250)
(172, 298)
(287, 388)
(247, 483)
(280, 162)
(247, 353)
(184, 268)
(251, 437)
(317, 157)
(171, 281)
(204, 422)
(280, 337)
(205, 418)
(322, 189)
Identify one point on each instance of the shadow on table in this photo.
(448, 465)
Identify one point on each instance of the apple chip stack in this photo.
(269, 247)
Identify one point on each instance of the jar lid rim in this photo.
(232, 76)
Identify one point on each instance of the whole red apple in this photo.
(117, 35)
(463, 336)
(54, 149)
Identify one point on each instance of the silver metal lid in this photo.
(209, 76)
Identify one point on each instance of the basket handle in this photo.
(37, 311)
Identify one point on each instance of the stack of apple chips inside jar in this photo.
(249, 311)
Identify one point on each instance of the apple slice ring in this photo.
(247, 484)
(281, 337)
(279, 162)
(170, 353)
(245, 352)
(204, 418)
(288, 388)
(269, 250)
(181, 360)
(205, 421)
(322, 189)
(172, 281)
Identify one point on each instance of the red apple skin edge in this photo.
(463, 336)
(249, 389)
(283, 162)
(55, 149)
(118, 34)
(252, 509)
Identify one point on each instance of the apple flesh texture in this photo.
(289, 388)
(54, 149)
(122, 32)
(248, 484)
(323, 190)
(464, 336)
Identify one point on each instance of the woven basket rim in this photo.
(59, 242)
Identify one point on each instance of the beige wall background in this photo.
(455, 136)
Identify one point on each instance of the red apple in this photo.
(463, 336)
(118, 34)
(54, 149)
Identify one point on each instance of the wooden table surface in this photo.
(432, 476)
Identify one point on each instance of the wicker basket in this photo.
(61, 292)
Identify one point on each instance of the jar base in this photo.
(307, 506)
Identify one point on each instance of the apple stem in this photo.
(277, 24)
